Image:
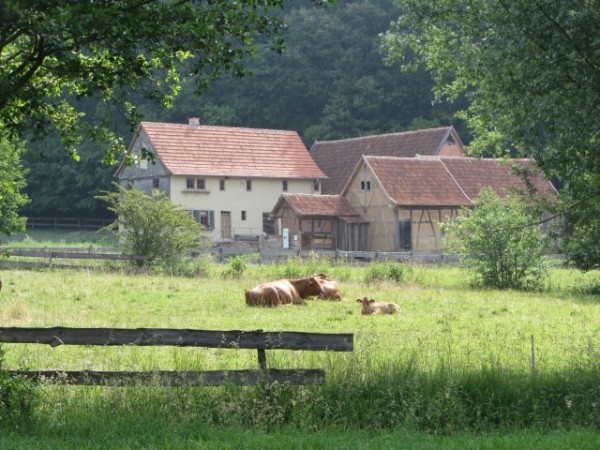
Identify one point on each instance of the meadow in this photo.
(459, 367)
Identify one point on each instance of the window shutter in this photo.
(211, 219)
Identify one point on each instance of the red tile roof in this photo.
(448, 181)
(308, 205)
(230, 151)
(417, 181)
(338, 158)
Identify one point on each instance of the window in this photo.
(316, 185)
(269, 224)
(221, 185)
(248, 185)
(365, 185)
(155, 183)
(198, 184)
(285, 185)
(205, 217)
(243, 215)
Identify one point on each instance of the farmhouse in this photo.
(405, 199)
(228, 178)
(338, 158)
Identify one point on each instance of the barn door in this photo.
(225, 224)
(405, 235)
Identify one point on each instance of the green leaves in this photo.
(531, 72)
(500, 240)
(152, 226)
(50, 49)
(12, 182)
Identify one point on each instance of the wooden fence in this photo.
(235, 340)
(55, 257)
(68, 223)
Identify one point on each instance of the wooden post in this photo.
(533, 368)
(262, 358)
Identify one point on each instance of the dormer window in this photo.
(365, 185)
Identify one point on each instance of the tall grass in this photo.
(456, 360)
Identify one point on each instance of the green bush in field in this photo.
(18, 398)
(500, 241)
(153, 226)
(237, 266)
(384, 271)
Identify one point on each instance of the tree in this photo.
(12, 182)
(53, 53)
(500, 241)
(329, 83)
(152, 226)
(531, 72)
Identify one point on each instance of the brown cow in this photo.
(283, 292)
(370, 306)
(329, 289)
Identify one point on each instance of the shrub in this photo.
(500, 241)
(384, 271)
(153, 226)
(18, 397)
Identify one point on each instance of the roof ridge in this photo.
(205, 126)
(396, 133)
(455, 180)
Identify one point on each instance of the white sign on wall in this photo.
(286, 238)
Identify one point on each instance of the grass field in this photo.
(459, 368)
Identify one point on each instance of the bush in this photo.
(18, 397)
(500, 241)
(153, 227)
(384, 271)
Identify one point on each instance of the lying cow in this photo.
(283, 292)
(370, 306)
(329, 289)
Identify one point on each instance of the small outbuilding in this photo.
(320, 222)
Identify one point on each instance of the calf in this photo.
(370, 306)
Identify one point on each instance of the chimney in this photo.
(194, 122)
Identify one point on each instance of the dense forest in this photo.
(331, 82)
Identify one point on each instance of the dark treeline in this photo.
(330, 83)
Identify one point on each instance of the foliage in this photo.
(337, 80)
(18, 398)
(152, 226)
(500, 240)
(12, 183)
(53, 53)
(385, 271)
(531, 72)
(60, 186)
(237, 266)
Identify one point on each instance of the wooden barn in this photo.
(338, 158)
(406, 199)
(320, 222)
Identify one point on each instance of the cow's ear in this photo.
(358, 300)
(372, 300)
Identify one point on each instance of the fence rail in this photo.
(233, 339)
(68, 222)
